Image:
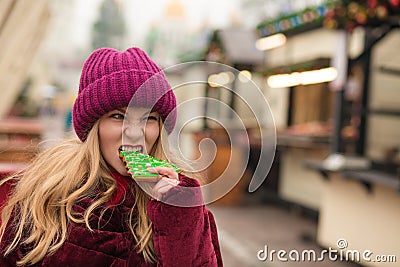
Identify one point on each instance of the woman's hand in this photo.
(168, 179)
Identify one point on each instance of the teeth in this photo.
(137, 148)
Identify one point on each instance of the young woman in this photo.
(76, 205)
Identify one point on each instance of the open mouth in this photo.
(131, 148)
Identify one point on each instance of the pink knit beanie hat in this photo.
(111, 79)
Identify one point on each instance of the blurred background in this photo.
(329, 69)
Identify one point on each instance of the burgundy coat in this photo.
(183, 236)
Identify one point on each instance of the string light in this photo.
(271, 42)
(302, 78)
(221, 79)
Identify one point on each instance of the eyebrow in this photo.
(123, 110)
(155, 113)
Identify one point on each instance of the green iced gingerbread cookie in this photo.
(137, 164)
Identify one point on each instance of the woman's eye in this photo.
(117, 116)
(152, 118)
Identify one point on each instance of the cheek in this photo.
(151, 134)
(104, 140)
(109, 131)
(109, 138)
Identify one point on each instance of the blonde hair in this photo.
(41, 204)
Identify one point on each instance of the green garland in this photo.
(333, 14)
(348, 14)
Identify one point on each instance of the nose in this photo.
(133, 133)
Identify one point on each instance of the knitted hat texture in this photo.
(111, 79)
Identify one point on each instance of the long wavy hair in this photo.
(41, 204)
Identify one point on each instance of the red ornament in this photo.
(330, 14)
(372, 3)
(395, 3)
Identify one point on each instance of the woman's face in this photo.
(136, 128)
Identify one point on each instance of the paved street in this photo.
(245, 230)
